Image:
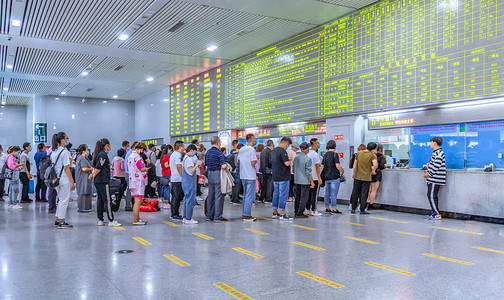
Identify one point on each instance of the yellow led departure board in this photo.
(392, 54)
(195, 104)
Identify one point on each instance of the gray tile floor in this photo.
(40, 262)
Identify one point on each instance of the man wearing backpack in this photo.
(237, 188)
(40, 188)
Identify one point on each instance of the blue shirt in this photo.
(126, 160)
(37, 158)
(214, 159)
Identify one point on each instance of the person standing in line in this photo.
(247, 159)
(151, 174)
(302, 167)
(40, 187)
(3, 160)
(82, 171)
(126, 175)
(376, 178)
(259, 149)
(311, 206)
(215, 161)
(24, 174)
(267, 184)
(125, 146)
(237, 187)
(166, 174)
(280, 164)
(137, 180)
(333, 172)
(177, 192)
(292, 153)
(350, 165)
(12, 163)
(101, 176)
(364, 167)
(189, 183)
(435, 176)
(119, 168)
(60, 157)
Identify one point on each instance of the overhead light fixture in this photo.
(115, 96)
(473, 103)
(123, 37)
(211, 48)
(16, 23)
(5, 89)
(150, 78)
(56, 98)
(73, 116)
(166, 100)
(8, 66)
(104, 101)
(84, 73)
(63, 93)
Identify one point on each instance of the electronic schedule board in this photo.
(392, 54)
(196, 105)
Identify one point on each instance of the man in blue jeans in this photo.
(247, 158)
(280, 164)
(215, 161)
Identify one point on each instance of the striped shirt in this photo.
(437, 168)
(214, 159)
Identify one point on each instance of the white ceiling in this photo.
(59, 39)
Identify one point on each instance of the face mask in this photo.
(192, 155)
(30, 150)
(128, 149)
(67, 143)
(16, 155)
(108, 151)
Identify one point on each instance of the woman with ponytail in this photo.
(12, 163)
(60, 157)
(101, 176)
(82, 171)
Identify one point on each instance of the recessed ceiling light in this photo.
(123, 37)
(63, 93)
(84, 73)
(104, 101)
(5, 89)
(152, 104)
(115, 96)
(211, 48)
(56, 98)
(16, 23)
(166, 100)
(8, 66)
(150, 78)
(73, 116)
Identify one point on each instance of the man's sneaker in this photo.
(17, 206)
(364, 213)
(352, 211)
(286, 218)
(56, 223)
(248, 219)
(128, 209)
(176, 218)
(316, 213)
(114, 224)
(275, 216)
(358, 208)
(429, 216)
(220, 220)
(100, 223)
(434, 216)
(302, 216)
(328, 211)
(64, 225)
(191, 221)
(336, 211)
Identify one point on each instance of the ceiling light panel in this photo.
(51, 63)
(97, 22)
(203, 25)
(5, 15)
(26, 86)
(97, 91)
(133, 70)
(18, 100)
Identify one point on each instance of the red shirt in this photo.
(166, 171)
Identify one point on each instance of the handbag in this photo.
(6, 172)
(201, 178)
(342, 178)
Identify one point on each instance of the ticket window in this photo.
(396, 144)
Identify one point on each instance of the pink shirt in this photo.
(137, 178)
(118, 164)
(11, 163)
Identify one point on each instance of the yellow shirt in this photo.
(364, 170)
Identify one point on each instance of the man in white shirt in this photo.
(24, 174)
(176, 180)
(247, 158)
(3, 159)
(311, 206)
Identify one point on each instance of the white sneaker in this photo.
(100, 223)
(11, 205)
(184, 220)
(114, 224)
(316, 213)
(192, 221)
(140, 222)
(17, 206)
(350, 207)
(199, 198)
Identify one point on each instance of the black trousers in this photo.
(236, 188)
(40, 189)
(267, 188)
(52, 198)
(360, 190)
(432, 195)
(149, 191)
(291, 186)
(177, 196)
(312, 198)
(2, 186)
(104, 200)
(26, 182)
(302, 193)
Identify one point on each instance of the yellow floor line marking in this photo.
(309, 246)
(487, 249)
(304, 227)
(320, 279)
(201, 235)
(357, 224)
(414, 234)
(449, 259)
(171, 224)
(177, 260)
(361, 240)
(256, 231)
(119, 228)
(248, 252)
(262, 218)
(141, 241)
(470, 232)
(231, 291)
(390, 268)
(376, 218)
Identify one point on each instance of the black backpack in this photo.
(230, 159)
(51, 178)
(6, 172)
(45, 162)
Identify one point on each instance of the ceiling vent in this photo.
(118, 68)
(176, 26)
